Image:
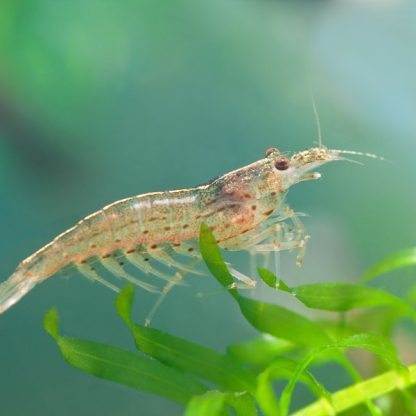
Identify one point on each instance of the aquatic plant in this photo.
(289, 348)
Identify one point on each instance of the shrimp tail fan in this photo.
(13, 289)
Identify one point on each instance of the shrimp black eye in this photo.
(270, 151)
(281, 163)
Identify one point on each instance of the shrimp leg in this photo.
(168, 287)
(114, 267)
(143, 264)
(166, 257)
(90, 273)
(282, 239)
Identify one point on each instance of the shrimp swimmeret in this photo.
(245, 209)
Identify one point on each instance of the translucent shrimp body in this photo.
(244, 208)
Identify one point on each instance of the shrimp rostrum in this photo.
(245, 209)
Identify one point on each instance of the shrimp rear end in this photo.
(13, 289)
(30, 272)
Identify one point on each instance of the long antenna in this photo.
(318, 123)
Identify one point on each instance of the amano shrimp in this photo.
(245, 209)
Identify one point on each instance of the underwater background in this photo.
(101, 100)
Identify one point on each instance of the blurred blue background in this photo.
(105, 99)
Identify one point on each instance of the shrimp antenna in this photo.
(353, 152)
(318, 123)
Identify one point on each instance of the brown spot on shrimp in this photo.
(157, 219)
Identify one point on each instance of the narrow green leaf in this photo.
(213, 259)
(51, 322)
(268, 277)
(261, 351)
(212, 403)
(184, 355)
(124, 302)
(271, 280)
(243, 404)
(346, 296)
(282, 323)
(124, 367)
(403, 258)
(337, 296)
(215, 402)
(381, 346)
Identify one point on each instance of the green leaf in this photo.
(51, 322)
(378, 345)
(213, 259)
(268, 277)
(243, 404)
(403, 258)
(123, 367)
(212, 403)
(184, 355)
(260, 351)
(345, 297)
(271, 280)
(215, 402)
(282, 323)
(337, 296)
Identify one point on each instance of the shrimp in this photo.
(245, 209)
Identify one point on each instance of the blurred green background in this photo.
(104, 99)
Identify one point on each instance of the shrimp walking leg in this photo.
(87, 271)
(168, 287)
(114, 267)
(242, 278)
(142, 262)
(166, 257)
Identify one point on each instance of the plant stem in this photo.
(359, 393)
